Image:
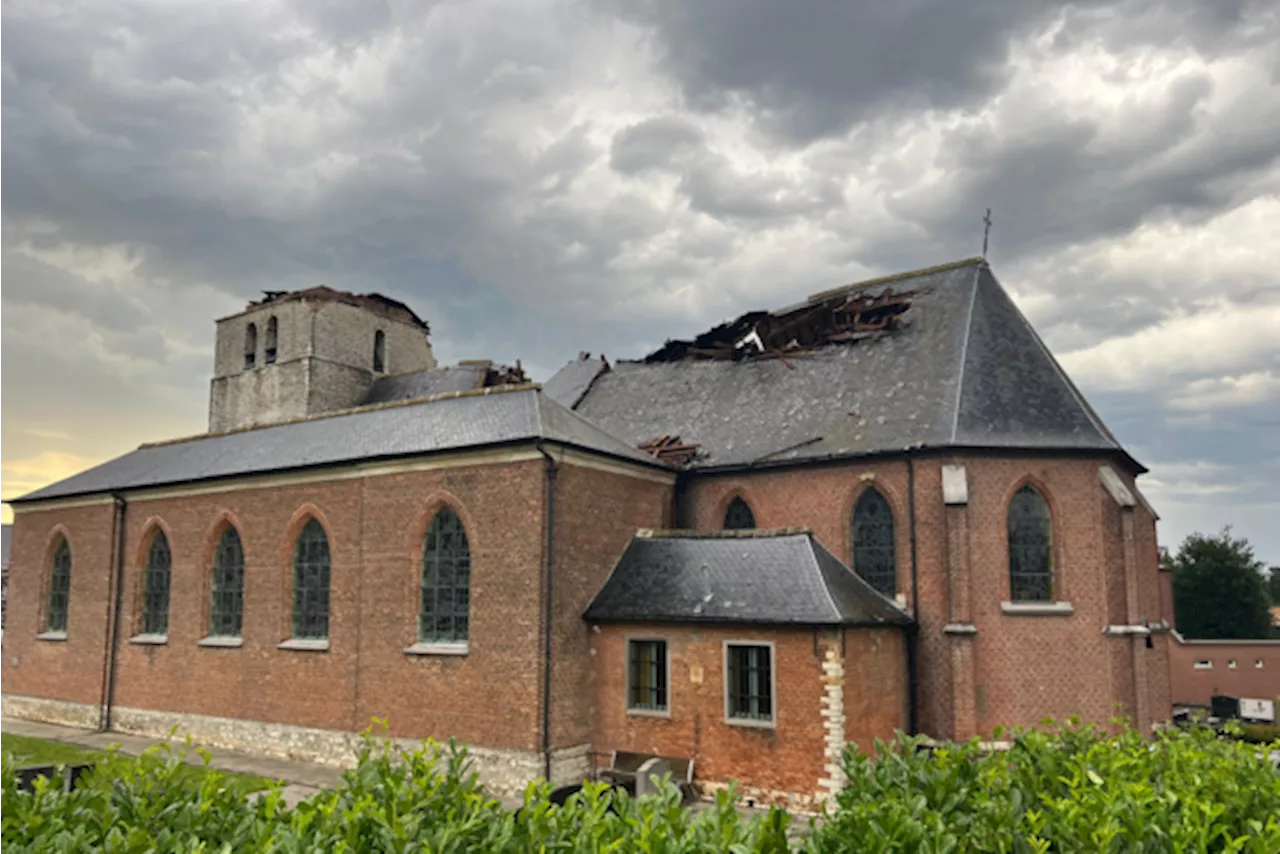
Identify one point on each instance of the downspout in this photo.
(114, 600)
(547, 610)
(913, 634)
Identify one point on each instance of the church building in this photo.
(885, 507)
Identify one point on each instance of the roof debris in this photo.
(670, 449)
(840, 318)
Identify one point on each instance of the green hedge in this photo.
(1071, 789)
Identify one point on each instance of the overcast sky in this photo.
(540, 178)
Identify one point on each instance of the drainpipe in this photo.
(913, 635)
(114, 599)
(547, 610)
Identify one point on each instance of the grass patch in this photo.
(26, 750)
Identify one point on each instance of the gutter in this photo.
(548, 569)
(913, 633)
(115, 595)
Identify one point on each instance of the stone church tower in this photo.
(295, 354)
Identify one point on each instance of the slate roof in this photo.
(501, 416)
(747, 577)
(428, 383)
(964, 368)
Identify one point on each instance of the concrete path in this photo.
(302, 778)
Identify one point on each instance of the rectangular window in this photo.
(1204, 664)
(647, 675)
(749, 683)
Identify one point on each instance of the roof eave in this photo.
(690, 619)
(30, 498)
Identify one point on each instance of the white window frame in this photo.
(626, 694)
(757, 723)
(1204, 664)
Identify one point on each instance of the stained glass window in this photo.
(155, 587)
(445, 607)
(311, 583)
(227, 590)
(873, 556)
(55, 617)
(1030, 547)
(738, 516)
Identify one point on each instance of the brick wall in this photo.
(375, 526)
(787, 759)
(1025, 668)
(597, 513)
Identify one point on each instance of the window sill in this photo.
(221, 641)
(305, 644)
(149, 639)
(751, 723)
(1038, 609)
(650, 713)
(52, 636)
(960, 629)
(431, 648)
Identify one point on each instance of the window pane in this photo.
(1030, 547)
(311, 583)
(750, 683)
(445, 592)
(155, 595)
(228, 586)
(647, 675)
(738, 516)
(59, 590)
(873, 556)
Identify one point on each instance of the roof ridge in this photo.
(894, 277)
(964, 353)
(353, 410)
(742, 534)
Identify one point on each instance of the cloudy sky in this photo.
(539, 178)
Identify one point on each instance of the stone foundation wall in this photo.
(503, 772)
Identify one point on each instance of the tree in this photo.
(1218, 589)
(1274, 584)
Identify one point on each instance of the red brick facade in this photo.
(1024, 668)
(979, 667)
(787, 757)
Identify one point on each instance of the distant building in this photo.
(884, 507)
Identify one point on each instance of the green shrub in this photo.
(1071, 790)
(1075, 789)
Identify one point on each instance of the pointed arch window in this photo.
(379, 351)
(738, 516)
(1030, 547)
(155, 587)
(873, 554)
(55, 615)
(269, 345)
(227, 590)
(250, 345)
(311, 583)
(445, 602)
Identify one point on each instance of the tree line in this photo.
(1221, 591)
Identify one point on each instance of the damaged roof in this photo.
(467, 420)
(959, 366)
(783, 577)
(464, 376)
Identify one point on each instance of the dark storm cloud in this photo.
(524, 178)
(814, 68)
